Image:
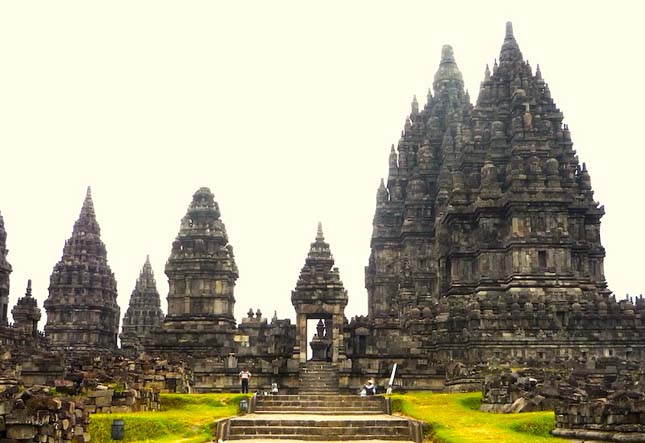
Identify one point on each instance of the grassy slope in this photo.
(183, 418)
(455, 418)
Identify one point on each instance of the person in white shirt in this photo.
(245, 376)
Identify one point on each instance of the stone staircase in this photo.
(318, 378)
(319, 417)
(320, 404)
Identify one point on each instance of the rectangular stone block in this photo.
(21, 432)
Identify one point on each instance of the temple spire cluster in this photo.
(486, 207)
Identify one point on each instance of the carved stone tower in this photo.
(26, 313)
(487, 231)
(414, 196)
(5, 271)
(82, 311)
(319, 294)
(144, 315)
(201, 274)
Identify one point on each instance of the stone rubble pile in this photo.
(36, 415)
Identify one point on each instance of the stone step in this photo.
(343, 428)
(355, 400)
(319, 391)
(318, 374)
(296, 405)
(308, 398)
(320, 411)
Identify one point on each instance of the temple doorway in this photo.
(319, 338)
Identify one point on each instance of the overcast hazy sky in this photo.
(286, 110)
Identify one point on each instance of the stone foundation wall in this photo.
(35, 415)
(131, 400)
(621, 417)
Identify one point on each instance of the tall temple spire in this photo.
(201, 274)
(5, 271)
(82, 309)
(144, 315)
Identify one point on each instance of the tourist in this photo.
(245, 375)
(369, 387)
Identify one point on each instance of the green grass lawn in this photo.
(455, 418)
(186, 418)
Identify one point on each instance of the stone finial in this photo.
(487, 73)
(87, 218)
(509, 30)
(319, 234)
(250, 313)
(448, 72)
(258, 314)
(414, 106)
(28, 291)
(381, 194)
(510, 50)
(393, 160)
(447, 54)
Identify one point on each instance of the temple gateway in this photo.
(485, 250)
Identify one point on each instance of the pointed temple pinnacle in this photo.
(447, 54)
(448, 72)
(88, 204)
(510, 50)
(319, 234)
(28, 291)
(509, 31)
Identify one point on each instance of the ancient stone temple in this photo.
(26, 313)
(201, 274)
(5, 271)
(144, 315)
(319, 294)
(486, 240)
(82, 311)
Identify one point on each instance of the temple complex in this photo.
(5, 271)
(144, 314)
(82, 311)
(485, 254)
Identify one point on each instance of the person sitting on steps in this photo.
(370, 387)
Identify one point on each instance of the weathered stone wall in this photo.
(36, 415)
(105, 400)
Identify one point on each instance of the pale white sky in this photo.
(286, 110)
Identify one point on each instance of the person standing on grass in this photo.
(245, 376)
